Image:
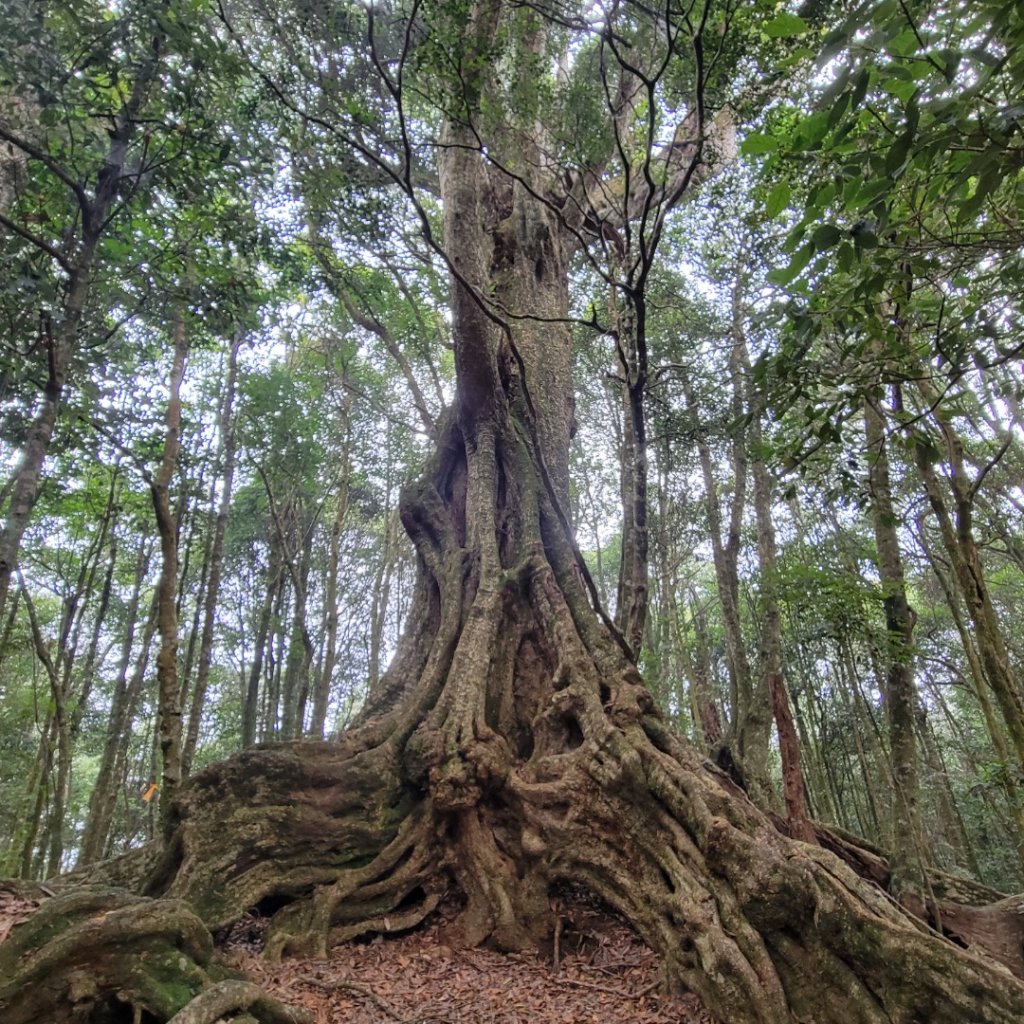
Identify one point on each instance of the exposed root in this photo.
(91, 949)
(234, 996)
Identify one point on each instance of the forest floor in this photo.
(600, 972)
(604, 973)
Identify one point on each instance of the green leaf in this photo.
(785, 25)
(759, 144)
(825, 236)
(903, 45)
(900, 88)
(869, 192)
(801, 53)
(778, 199)
(860, 88)
(898, 152)
(811, 131)
(864, 237)
(800, 260)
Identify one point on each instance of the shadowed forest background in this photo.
(795, 463)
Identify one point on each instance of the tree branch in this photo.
(39, 243)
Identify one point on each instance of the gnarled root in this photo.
(232, 996)
(98, 954)
(86, 952)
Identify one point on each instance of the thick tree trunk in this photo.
(512, 746)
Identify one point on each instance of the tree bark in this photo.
(772, 682)
(633, 598)
(901, 700)
(512, 746)
(226, 431)
(168, 688)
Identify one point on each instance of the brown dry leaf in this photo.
(14, 908)
(605, 973)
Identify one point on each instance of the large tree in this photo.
(511, 746)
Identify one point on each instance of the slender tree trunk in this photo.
(979, 688)
(197, 531)
(7, 633)
(22, 842)
(61, 338)
(251, 704)
(322, 693)
(772, 681)
(706, 714)
(60, 342)
(901, 700)
(957, 532)
(747, 743)
(58, 703)
(382, 596)
(226, 431)
(632, 600)
(99, 624)
(168, 688)
(101, 799)
(953, 829)
(59, 673)
(300, 651)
